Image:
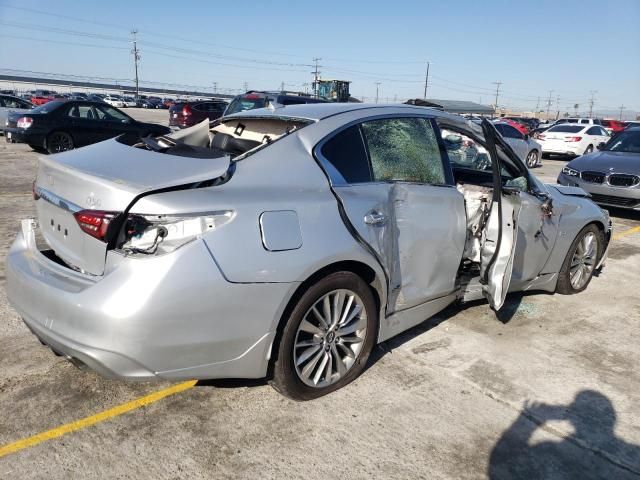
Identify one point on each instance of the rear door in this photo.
(85, 127)
(395, 189)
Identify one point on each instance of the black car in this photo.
(62, 125)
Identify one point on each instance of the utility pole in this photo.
(549, 104)
(537, 107)
(426, 81)
(215, 87)
(591, 102)
(558, 106)
(377, 86)
(136, 58)
(316, 76)
(246, 86)
(497, 84)
(621, 109)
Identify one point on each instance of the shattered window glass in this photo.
(404, 149)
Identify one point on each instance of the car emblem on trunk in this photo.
(92, 201)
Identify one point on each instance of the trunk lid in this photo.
(105, 176)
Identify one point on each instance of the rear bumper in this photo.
(603, 194)
(172, 317)
(558, 149)
(19, 135)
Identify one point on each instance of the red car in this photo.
(186, 114)
(517, 125)
(612, 126)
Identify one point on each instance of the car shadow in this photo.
(533, 448)
(623, 213)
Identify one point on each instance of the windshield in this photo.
(240, 104)
(626, 142)
(47, 107)
(566, 129)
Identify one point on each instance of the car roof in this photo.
(320, 111)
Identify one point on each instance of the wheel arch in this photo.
(58, 130)
(364, 271)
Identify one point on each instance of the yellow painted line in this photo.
(93, 419)
(624, 233)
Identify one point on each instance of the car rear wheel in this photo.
(589, 149)
(532, 159)
(59, 142)
(581, 261)
(327, 339)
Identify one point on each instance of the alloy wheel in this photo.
(329, 338)
(59, 142)
(532, 159)
(583, 261)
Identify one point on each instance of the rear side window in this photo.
(403, 149)
(593, 131)
(346, 153)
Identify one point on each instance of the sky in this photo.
(575, 49)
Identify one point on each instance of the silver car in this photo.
(9, 103)
(286, 242)
(527, 149)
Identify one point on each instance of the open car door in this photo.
(501, 230)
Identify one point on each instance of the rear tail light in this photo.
(541, 136)
(186, 110)
(24, 122)
(573, 139)
(94, 222)
(159, 234)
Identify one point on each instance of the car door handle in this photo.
(375, 218)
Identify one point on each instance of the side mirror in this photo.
(526, 137)
(600, 146)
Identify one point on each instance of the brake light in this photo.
(94, 222)
(186, 110)
(573, 139)
(24, 122)
(541, 136)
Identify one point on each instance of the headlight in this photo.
(160, 234)
(570, 172)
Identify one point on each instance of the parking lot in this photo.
(467, 394)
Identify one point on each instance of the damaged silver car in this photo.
(285, 243)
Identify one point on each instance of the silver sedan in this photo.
(286, 242)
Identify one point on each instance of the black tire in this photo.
(286, 379)
(59, 141)
(564, 285)
(589, 149)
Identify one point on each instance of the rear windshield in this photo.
(566, 128)
(47, 107)
(240, 104)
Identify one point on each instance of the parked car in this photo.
(80, 96)
(10, 103)
(572, 140)
(96, 97)
(258, 99)
(309, 234)
(40, 99)
(612, 126)
(523, 129)
(527, 149)
(144, 103)
(63, 125)
(612, 174)
(129, 102)
(168, 102)
(187, 114)
(630, 124)
(155, 102)
(114, 101)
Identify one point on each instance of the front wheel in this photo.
(533, 159)
(59, 142)
(327, 339)
(581, 261)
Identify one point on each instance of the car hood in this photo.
(608, 162)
